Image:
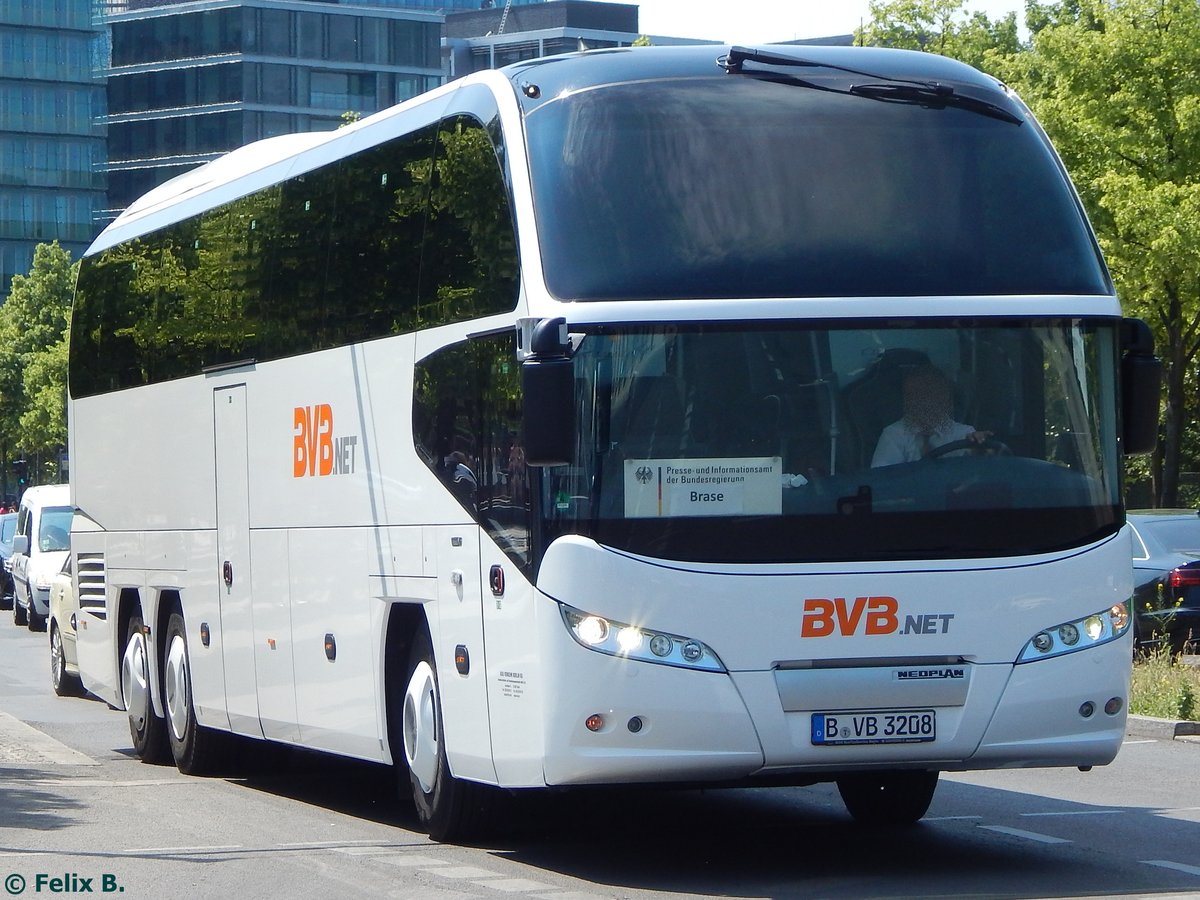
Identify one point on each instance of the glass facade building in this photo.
(190, 81)
(52, 140)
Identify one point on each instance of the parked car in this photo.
(64, 608)
(8, 529)
(39, 548)
(1166, 571)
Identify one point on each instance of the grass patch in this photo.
(1164, 687)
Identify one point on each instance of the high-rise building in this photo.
(52, 152)
(189, 81)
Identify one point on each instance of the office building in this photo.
(493, 37)
(51, 133)
(190, 81)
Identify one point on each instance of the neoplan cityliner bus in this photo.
(520, 436)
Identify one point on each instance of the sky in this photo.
(763, 21)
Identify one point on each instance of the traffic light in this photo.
(21, 470)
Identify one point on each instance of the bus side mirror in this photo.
(548, 386)
(21, 544)
(1141, 383)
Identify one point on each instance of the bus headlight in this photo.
(1071, 637)
(635, 642)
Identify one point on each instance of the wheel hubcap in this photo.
(177, 687)
(420, 726)
(135, 680)
(56, 657)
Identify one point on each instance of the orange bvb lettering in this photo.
(312, 440)
(878, 615)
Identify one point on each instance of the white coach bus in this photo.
(627, 417)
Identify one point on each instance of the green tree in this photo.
(940, 26)
(33, 322)
(1116, 84)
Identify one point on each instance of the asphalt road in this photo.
(79, 811)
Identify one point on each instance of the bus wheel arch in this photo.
(449, 808)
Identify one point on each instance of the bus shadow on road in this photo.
(786, 842)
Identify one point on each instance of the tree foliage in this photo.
(1116, 84)
(33, 353)
(940, 26)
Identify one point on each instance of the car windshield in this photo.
(736, 187)
(54, 528)
(762, 442)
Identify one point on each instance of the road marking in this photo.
(1128, 743)
(950, 818)
(373, 850)
(1028, 835)
(185, 849)
(1082, 812)
(471, 872)
(515, 885)
(22, 743)
(411, 860)
(1178, 867)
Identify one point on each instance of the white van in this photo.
(39, 550)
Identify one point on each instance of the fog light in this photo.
(594, 722)
(1068, 634)
(1113, 706)
(1042, 641)
(1087, 708)
(660, 645)
(692, 651)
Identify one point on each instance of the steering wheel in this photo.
(987, 444)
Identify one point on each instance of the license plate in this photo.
(888, 726)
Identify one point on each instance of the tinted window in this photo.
(466, 422)
(738, 187)
(415, 232)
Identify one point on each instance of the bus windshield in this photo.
(772, 443)
(729, 187)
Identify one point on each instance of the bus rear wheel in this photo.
(146, 730)
(448, 808)
(888, 798)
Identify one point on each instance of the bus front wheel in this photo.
(146, 730)
(448, 808)
(887, 798)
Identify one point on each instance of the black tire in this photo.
(888, 798)
(35, 622)
(449, 808)
(19, 616)
(197, 750)
(64, 683)
(147, 731)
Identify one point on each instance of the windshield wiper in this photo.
(933, 96)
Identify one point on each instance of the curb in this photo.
(1164, 729)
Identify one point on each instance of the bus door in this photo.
(233, 559)
(460, 626)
